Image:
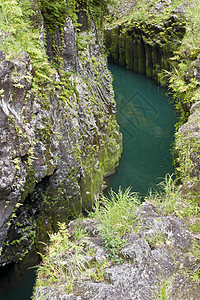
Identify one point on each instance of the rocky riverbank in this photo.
(59, 138)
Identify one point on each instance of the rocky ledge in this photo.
(156, 260)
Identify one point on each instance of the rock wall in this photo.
(57, 144)
(187, 153)
(145, 46)
(160, 255)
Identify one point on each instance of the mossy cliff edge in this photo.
(58, 133)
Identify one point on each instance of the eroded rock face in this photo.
(158, 252)
(142, 45)
(187, 151)
(16, 135)
(56, 148)
(70, 51)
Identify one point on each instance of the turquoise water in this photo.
(146, 117)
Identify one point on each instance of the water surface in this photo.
(146, 117)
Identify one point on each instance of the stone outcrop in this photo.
(58, 142)
(156, 255)
(142, 44)
(145, 46)
(187, 152)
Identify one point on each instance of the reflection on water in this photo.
(146, 118)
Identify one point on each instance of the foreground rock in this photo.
(157, 259)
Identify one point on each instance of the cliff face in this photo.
(59, 137)
(187, 153)
(143, 36)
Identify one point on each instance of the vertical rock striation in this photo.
(58, 141)
(143, 42)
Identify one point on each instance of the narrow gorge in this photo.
(60, 141)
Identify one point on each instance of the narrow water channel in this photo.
(146, 118)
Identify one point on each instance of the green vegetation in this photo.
(64, 260)
(19, 25)
(14, 27)
(170, 200)
(18, 34)
(161, 39)
(166, 195)
(195, 272)
(151, 11)
(164, 290)
(55, 12)
(186, 153)
(182, 78)
(116, 216)
(174, 32)
(22, 30)
(70, 255)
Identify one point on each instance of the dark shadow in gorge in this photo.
(17, 279)
(16, 283)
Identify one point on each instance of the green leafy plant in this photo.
(156, 239)
(195, 274)
(64, 261)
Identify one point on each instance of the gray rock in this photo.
(156, 254)
(70, 52)
(189, 156)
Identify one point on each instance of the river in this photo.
(146, 116)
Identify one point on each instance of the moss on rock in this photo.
(62, 115)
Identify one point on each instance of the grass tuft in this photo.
(116, 214)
